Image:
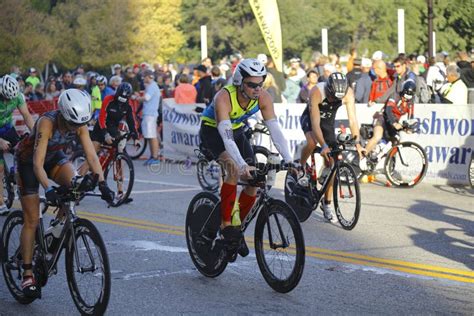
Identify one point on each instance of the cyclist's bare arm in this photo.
(43, 134)
(315, 100)
(268, 112)
(223, 107)
(89, 151)
(349, 101)
(26, 116)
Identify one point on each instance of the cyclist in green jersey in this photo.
(10, 100)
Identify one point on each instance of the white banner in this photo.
(446, 133)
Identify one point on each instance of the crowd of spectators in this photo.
(440, 79)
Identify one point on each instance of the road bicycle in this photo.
(305, 192)
(278, 237)
(117, 167)
(405, 162)
(86, 259)
(209, 171)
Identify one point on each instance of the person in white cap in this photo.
(263, 58)
(117, 70)
(33, 77)
(364, 83)
(378, 55)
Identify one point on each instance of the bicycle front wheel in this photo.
(133, 151)
(279, 246)
(346, 195)
(406, 164)
(87, 269)
(208, 174)
(11, 256)
(120, 176)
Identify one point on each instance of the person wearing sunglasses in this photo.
(39, 157)
(222, 133)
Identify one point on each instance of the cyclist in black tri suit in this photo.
(40, 157)
(318, 119)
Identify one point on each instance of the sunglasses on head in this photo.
(253, 85)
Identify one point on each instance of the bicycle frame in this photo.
(316, 194)
(68, 230)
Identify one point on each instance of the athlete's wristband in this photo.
(324, 146)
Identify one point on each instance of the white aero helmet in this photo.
(9, 87)
(75, 106)
(250, 67)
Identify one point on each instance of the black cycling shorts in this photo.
(327, 128)
(26, 179)
(97, 135)
(10, 135)
(212, 140)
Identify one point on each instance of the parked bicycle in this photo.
(278, 238)
(405, 163)
(209, 171)
(86, 259)
(304, 193)
(117, 167)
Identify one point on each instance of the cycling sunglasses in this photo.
(253, 85)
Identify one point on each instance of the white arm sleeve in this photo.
(278, 139)
(225, 130)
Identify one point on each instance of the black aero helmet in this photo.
(408, 90)
(337, 85)
(124, 92)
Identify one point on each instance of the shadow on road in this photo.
(450, 242)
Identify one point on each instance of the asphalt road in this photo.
(412, 252)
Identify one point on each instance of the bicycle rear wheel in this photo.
(202, 224)
(208, 174)
(406, 164)
(133, 151)
(11, 256)
(346, 195)
(87, 269)
(120, 176)
(279, 246)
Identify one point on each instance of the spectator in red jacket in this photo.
(380, 86)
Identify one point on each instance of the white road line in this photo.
(165, 190)
(168, 183)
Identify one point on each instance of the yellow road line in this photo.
(133, 221)
(321, 253)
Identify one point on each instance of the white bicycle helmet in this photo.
(75, 106)
(250, 67)
(101, 79)
(9, 87)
